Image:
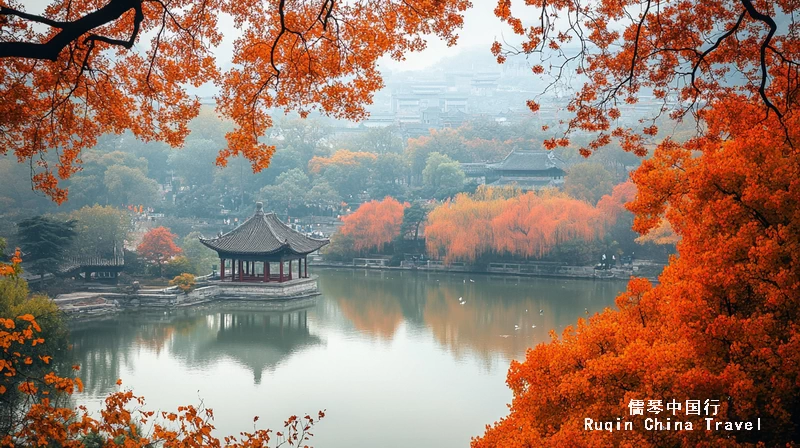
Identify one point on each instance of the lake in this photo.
(396, 359)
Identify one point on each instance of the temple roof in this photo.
(529, 160)
(263, 234)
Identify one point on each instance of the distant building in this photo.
(99, 269)
(524, 169)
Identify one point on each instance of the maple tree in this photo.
(158, 247)
(688, 55)
(722, 324)
(375, 224)
(80, 69)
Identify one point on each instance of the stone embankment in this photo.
(101, 301)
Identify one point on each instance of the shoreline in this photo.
(109, 301)
(562, 272)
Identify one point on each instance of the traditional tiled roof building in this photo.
(248, 250)
(524, 169)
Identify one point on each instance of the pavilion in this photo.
(248, 252)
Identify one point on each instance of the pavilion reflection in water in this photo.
(260, 341)
(253, 335)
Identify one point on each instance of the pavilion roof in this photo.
(263, 234)
(74, 263)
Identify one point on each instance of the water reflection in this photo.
(260, 341)
(387, 353)
(255, 338)
(486, 315)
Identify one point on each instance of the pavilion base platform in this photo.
(249, 290)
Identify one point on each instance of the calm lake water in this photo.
(393, 357)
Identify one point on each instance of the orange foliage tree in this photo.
(158, 246)
(14, 267)
(723, 324)
(44, 421)
(73, 71)
(343, 158)
(375, 224)
(687, 54)
(507, 222)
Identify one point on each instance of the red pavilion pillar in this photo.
(299, 268)
(290, 269)
(281, 273)
(221, 269)
(305, 265)
(240, 271)
(266, 271)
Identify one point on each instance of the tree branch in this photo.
(4, 11)
(71, 31)
(751, 10)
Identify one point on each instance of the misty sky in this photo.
(481, 28)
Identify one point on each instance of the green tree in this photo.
(442, 176)
(446, 142)
(44, 242)
(177, 266)
(289, 191)
(194, 163)
(350, 173)
(588, 181)
(413, 217)
(13, 291)
(236, 185)
(322, 194)
(126, 185)
(388, 176)
(375, 140)
(101, 230)
(296, 142)
(89, 186)
(16, 194)
(201, 257)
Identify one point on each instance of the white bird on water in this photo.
(471, 281)
(533, 326)
(541, 312)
